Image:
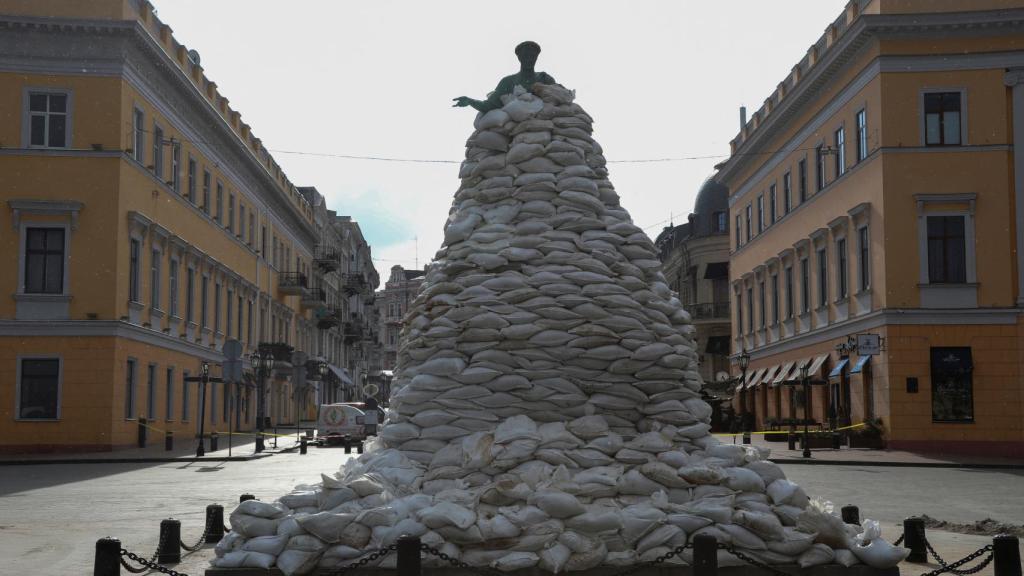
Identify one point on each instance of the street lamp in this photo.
(205, 372)
(805, 379)
(262, 363)
(744, 360)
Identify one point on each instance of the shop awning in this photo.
(861, 362)
(816, 365)
(755, 379)
(794, 374)
(341, 373)
(717, 345)
(838, 370)
(783, 373)
(770, 374)
(387, 373)
(716, 270)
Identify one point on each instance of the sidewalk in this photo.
(242, 447)
(780, 453)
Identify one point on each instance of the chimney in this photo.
(743, 117)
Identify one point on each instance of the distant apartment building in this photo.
(392, 303)
(148, 225)
(880, 191)
(695, 259)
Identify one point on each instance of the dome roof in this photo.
(712, 197)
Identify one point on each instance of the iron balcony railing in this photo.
(708, 310)
(327, 257)
(292, 280)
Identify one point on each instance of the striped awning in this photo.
(755, 378)
(770, 374)
(861, 362)
(838, 370)
(783, 373)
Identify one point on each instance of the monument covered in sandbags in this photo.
(546, 407)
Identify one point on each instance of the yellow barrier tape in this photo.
(252, 434)
(144, 425)
(797, 431)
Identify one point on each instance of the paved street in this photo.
(52, 514)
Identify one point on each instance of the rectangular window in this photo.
(750, 310)
(252, 227)
(206, 192)
(213, 401)
(226, 401)
(186, 397)
(775, 299)
(787, 192)
(760, 213)
(154, 279)
(238, 330)
(840, 142)
(203, 300)
(191, 180)
(129, 392)
(862, 135)
(134, 252)
(151, 392)
(761, 303)
(942, 119)
(822, 278)
(241, 220)
(864, 255)
(216, 307)
(169, 396)
(139, 126)
(805, 285)
(739, 316)
(231, 213)
(228, 303)
(248, 323)
(44, 261)
(48, 120)
(789, 292)
(218, 214)
(172, 288)
(721, 222)
(841, 274)
(39, 389)
(158, 151)
(750, 219)
(819, 163)
(952, 384)
(190, 290)
(802, 174)
(263, 242)
(771, 204)
(175, 166)
(739, 227)
(947, 254)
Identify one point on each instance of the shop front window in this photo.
(952, 384)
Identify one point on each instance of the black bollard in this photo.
(705, 555)
(142, 432)
(259, 442)
(348, 447)
(851, 515)
(746, 437)
(245, 497)
(837, 441)
(913, 538)
(309, 433)
(359, 448)
(169, 551)
(1006, 555)
(168, 441)
(791, 439)
(408, 556)
(302, 445)
(214, 523)
(213, 441)
(108, 557)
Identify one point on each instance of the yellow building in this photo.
(879, 191)
(145, 226)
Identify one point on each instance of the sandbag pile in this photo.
(546, 407)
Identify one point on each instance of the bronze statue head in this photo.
(527, 52)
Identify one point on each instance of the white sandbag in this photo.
(588, 427)
(816, 555)
(744, 480)
(701, 474)
(404, 527)
(769, 471)
(524, 516)
(229, 543)
(292, 562)
(447, 514)
(634, 482)
(496, 527)
(326, 526)
(515, 561)
(658, 537)
(251, 526)
(793, 542)
(596, 520)
(690, 523)
(847, 558)
(272, 545)
(819, 517)
(870, 549)
(244, 559)
(675, 459)
(766, 525)
(259, 509)
(783, 491)
(553, 559)
(516, 428)
(742, 537)
(556, 504)
(300, 499)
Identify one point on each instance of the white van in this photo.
(340, 420)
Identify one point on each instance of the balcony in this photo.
(327, 318)
(354, 284)
(328, 258)
(709, 310)
(314, 298)
(292, 283)
(353, 332)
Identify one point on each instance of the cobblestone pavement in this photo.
(51, 515)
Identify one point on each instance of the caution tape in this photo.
(144, 425)
(252, 434)
(766, 432)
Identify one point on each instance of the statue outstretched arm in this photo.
(493, 99)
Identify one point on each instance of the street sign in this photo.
(232, 349)
(868, 344)
(232, 370)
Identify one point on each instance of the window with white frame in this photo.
(130, 392)
(775, 299)
(228, 303)
(139, 128)
(48, 119)
(158, 151)
(186, 397)
(134, 255)
(38, 388)
(191, 180)
(789, 291)
(44, 260)
(739, 222)
(947, 249)
(787, 192)
(840, 143)
(864, 257)
(942, 118)
(169, 395)
(750, 309)
(172, 288)
(805, 285)
(760, 213)
(206, 192)
(771, 204)
(216, 306)
(862, 135)
(175, 166)
(822, 278)
(203, 300)
(841, 271)
(190, 290)
(761, 303)
(151, 392)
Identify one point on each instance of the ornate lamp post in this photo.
(805, 379)
(744, 360)
(262, 363)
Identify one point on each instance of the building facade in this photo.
(879, 192)
(148, 225)
(393, 302)
(695, 259)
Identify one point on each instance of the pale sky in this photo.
(661, 78)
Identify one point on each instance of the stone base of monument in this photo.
(673, 570)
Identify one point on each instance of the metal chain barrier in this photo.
(199, 543)
(899, 540)
(953, 568)
(752, 561)
(152, 559)
(659, 560)
(148, 564)
(459, 563)
(374, 555)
